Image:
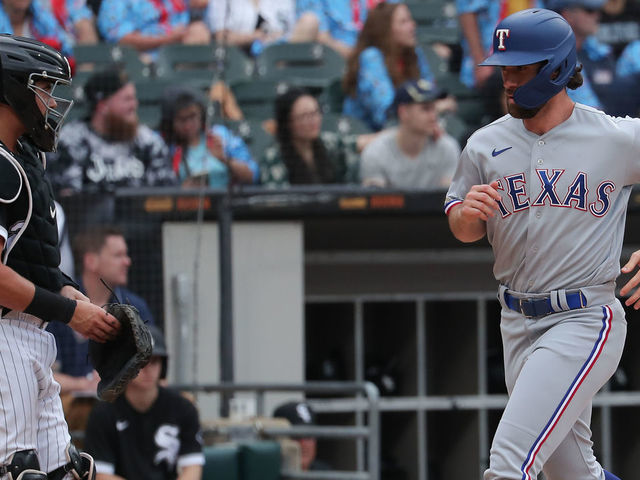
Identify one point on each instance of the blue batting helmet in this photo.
(532, 36)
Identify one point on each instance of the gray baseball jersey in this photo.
(559, 228)
(564, 197)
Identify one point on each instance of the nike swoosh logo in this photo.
(495, 152)
(52, 211)
(121, 425)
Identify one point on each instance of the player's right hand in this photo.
(634, 299)
(481, 201)
(94, 323)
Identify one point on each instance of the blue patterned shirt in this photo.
(375, 90)
(118, 18)
(336, 17)
(74, 11)
(43, 26)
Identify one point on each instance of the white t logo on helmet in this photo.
(502, 33)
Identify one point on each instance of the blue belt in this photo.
(541, 306)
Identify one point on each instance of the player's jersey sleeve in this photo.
(467, 175)
(190, 437)
(101, 438)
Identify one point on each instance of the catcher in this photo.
(33, 291)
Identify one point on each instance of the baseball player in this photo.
(35, 443)
(548, 184)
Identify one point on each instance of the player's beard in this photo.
(118, 129)
(516, 111)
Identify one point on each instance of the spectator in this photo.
(477, 20)
(110, 149)
(101, 252)
(598, 63)
(31, 19)
(75, 18)
(149, 432)
(300, 413)
(302, 154)
(386, 55)
(252, 24)
(338, 22)
(619, 24)
(199, 152)
(416, 153)
(629, 61)
(149, 24)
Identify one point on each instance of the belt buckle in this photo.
(521, 303)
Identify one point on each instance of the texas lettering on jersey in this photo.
(519, 196)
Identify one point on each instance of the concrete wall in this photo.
(268, 305)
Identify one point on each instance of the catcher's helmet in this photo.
(23, 62)
(532, 36)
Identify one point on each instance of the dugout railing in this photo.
(365, 432)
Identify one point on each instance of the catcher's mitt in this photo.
(118, 361)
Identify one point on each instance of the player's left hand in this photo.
(73, 293)
(634, 299)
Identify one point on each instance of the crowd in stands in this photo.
(381, 47)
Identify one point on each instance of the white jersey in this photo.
(564, 197)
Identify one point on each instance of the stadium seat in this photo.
(256, 97)
(436, 21)
(89, 58)
(456, 127)
(439, 66)
(203, 63)
(312, 65)
(336, 122)
(150, 94)
(222, 462)
(331, 98)
(256, 137)
(260, 460)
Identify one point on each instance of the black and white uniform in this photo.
(153, 445)
(31, 415)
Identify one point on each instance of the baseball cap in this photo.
(416, 91)
(105, 83)
(558, 5)
(298, 413)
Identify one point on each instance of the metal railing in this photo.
(369, 432)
